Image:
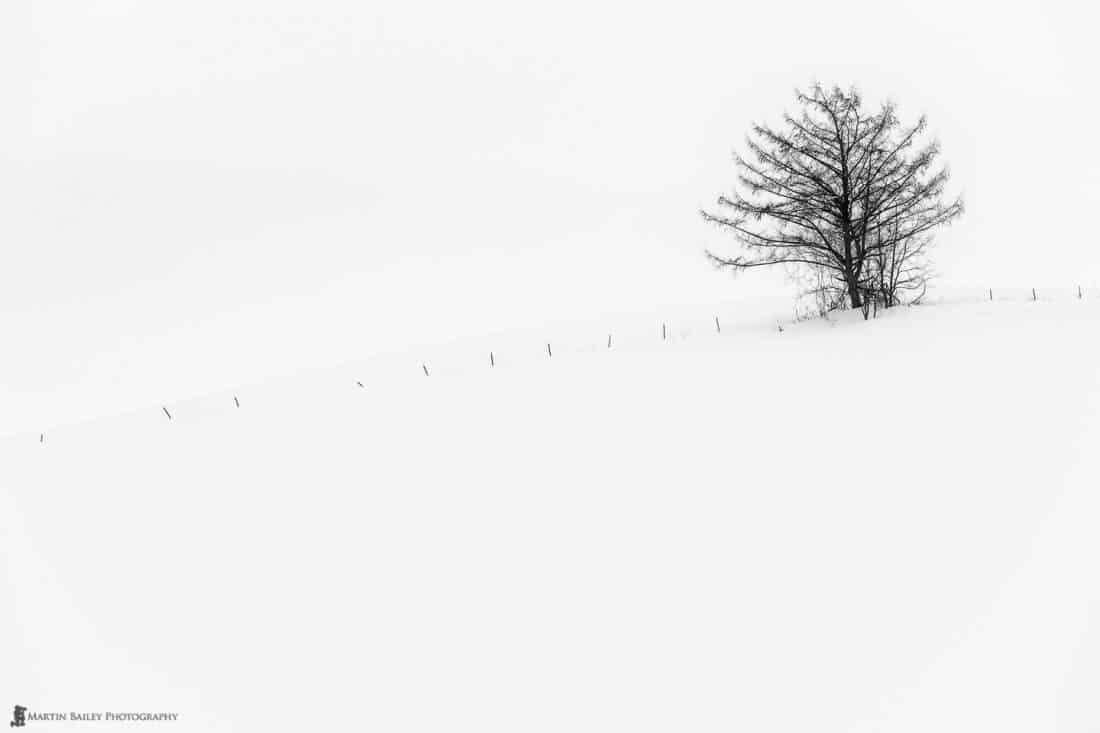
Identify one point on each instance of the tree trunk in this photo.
(853, 291)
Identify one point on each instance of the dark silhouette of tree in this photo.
(838, 190)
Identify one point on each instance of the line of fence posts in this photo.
(1035, 294)
(550, 352)
(664, 336)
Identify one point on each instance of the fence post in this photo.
(717, 325)
(166, 412)
(492, 362)
(609, 341)
(1033, 295)
(425, 368)
(663, 336)
(549, 353)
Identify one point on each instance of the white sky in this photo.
(195, 195)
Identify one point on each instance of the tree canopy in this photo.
(852, 195)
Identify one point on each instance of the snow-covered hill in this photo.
(847, 526)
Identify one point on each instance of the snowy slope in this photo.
(847, 526)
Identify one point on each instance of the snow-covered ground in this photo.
(847, 526)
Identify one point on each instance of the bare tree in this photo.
(833, 190)
(899, 270)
